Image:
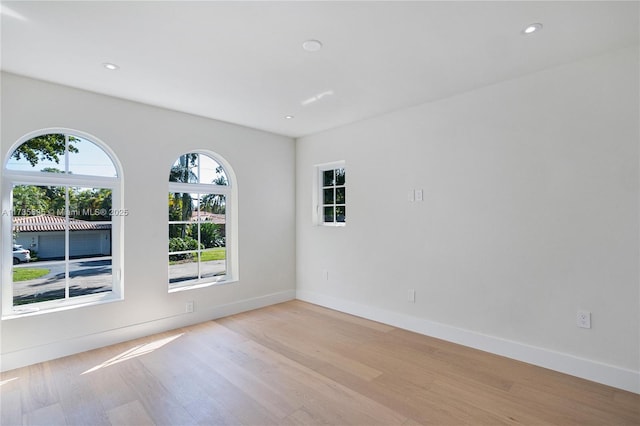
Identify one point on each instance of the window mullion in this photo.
(66, 154)
(66, 243)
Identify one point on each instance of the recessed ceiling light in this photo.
(288, 117)
(110, 66)
(530, 29)
(312, 45)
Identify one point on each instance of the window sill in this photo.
(23, 311)
(201, 284)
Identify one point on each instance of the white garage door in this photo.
(84, 243)
(51, 245)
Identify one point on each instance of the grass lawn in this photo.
(218, 253)
(23, 274)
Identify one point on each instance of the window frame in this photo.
(318, 198)
(231, 229)
(11, 178)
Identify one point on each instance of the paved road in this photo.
(180, 272)
(85, 276)
(93, 275)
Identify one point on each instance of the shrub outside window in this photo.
(199, 202)
(61, 203)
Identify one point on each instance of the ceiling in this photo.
(243, 62)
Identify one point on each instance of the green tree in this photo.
(210, 234)
(215, 203)
(29, 200)
(55, 194)
(183, 173)
(92, 204)
(182, 244)
(46, 147)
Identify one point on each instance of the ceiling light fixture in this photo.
(312, 45)
(530, 29)
(110, 66)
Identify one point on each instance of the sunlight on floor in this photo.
(135, 352)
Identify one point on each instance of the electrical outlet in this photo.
(325, 275)
(583, 319)
(188, 307)
(411, 296)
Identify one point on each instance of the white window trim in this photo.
(230, 191)
(17, 177)
(317, 213)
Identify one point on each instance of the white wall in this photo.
(530, 213)
(147, 140)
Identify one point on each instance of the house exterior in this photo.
(45, 235)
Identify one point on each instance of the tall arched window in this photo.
(61, 222)
(201, 233)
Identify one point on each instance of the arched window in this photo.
(61, 222)
(201, 235)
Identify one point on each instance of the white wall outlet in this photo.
(419, 195)
(188, 307)
(583, 320)
(411, 296)
(325, 275)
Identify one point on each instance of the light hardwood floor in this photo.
(297, 363)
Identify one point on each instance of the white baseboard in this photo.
(621, 378)
(33, 355)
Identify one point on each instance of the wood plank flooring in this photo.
(296, 363)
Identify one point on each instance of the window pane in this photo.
(89, 204)
(184, 169)
(327, 196)
(327, 178)
(89, 239)
(328, 214)
(340, 214)
(43, 153)
(33, 200)
(182, 206)
(211, 171)
(340, 195)
(23, 246)
(213, 262)
(212, 205)
(181, 231)
(211, 234)
(183, 267)
(340, 177)
(89, 276)
(86, 158)
(38, 283)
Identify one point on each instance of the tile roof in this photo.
(45, 223)
(218, 219)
